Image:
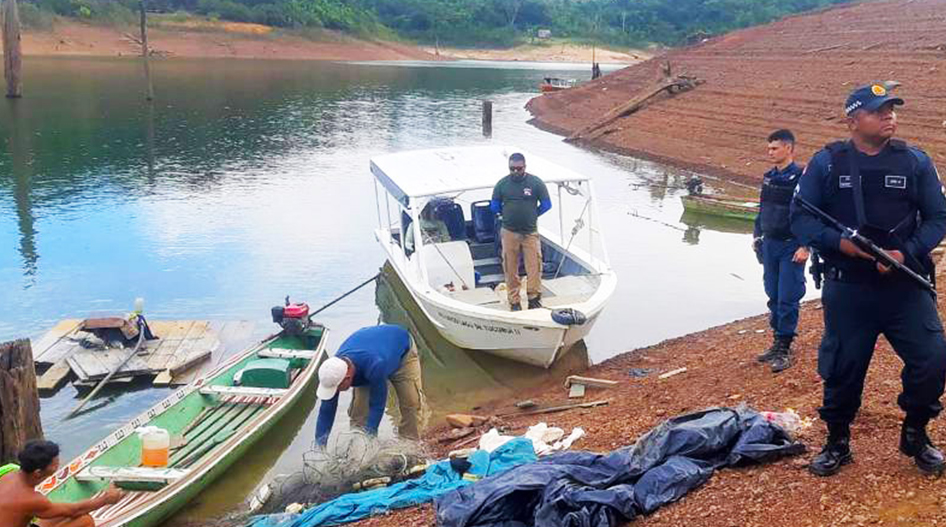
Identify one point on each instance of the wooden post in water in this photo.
(145, 52)
(12, 60)
(487, 118)
(19, 399)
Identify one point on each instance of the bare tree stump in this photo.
(12, 58)
(19, 399)
(145, 52)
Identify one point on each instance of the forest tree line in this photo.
(485, 23)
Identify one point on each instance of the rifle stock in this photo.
(866, 244)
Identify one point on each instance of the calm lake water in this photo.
(248, 180)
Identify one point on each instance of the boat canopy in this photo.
(421, 173)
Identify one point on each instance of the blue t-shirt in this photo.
(376, 353)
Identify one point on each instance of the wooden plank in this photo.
(590, 381)
(234, 337)
(206, 431)
(65, 348)
(243, 391)
(199, 345)
(576, 390)
(191, 361)
(163, 379)
(171, 338)
(54, 378)
(94, 365)
(132, 474)
(277, 353)
(62, 329)
(88, 385)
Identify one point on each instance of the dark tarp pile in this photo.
(582, 489)
(439, 478)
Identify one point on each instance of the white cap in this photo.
(331, 373)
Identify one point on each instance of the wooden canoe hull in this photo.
(242, 421)
(727, 208)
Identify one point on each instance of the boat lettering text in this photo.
(478, 326)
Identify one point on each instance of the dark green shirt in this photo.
(520, 200)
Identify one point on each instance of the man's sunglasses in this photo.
(518, 169)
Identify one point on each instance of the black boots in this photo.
(835, 454)
(779, 356)
(770, 353)
(915, 443)
(535, 303)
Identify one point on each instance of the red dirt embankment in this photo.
(794, 73)
(881, 487)
(210, 39)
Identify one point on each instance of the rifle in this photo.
(866, 244)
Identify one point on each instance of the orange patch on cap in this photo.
(878, 90)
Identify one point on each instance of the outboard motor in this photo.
(293, 318)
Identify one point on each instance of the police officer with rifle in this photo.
(874, 209)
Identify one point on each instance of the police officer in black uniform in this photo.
(782, 257)
(891, 193)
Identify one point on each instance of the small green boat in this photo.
(212, 423)
(727, 207)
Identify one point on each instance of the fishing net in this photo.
(349, 462)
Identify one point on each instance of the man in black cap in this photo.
(891, 193)
(782, 257)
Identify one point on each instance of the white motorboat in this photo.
(459, 284)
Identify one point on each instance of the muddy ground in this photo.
(881, 487)
(794, 73)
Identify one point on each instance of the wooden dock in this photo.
(183, 350)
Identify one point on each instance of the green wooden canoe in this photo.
(721, 206)
(212, 424)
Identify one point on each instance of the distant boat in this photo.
(456, 283)
(723, 206)
(212, 423)
(550, 84)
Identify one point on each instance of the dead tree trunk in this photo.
(12, 58)
(19, 399)
(145, 52)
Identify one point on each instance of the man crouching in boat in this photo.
(22, 506)
(367, 360)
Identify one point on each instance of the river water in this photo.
(248, 180)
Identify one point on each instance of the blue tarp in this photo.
(582, 489)
(438, 479)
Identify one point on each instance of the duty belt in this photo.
(859, 277)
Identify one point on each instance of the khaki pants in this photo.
(531, 248)
(411, 400)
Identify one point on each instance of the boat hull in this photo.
(529, 336)
(720, 207)
(519, 341)
(176, 413)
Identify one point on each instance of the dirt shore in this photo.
(881, 487)
(210, 39)
(546, 52)
(794, 73)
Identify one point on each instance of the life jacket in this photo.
(888, 209)
(776, 200)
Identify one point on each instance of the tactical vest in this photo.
(889, 199)
(776, 200)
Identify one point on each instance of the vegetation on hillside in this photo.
(472, 22)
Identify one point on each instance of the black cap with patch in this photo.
(870, 98)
